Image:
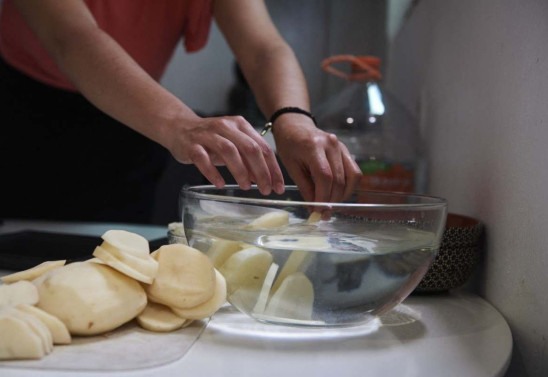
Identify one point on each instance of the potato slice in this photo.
(18, 340)
(34, 272)
(269, 220)
(159, 318)
(90, 298)
(186, 277)
(260, 306)
(20, 292)
(128, 241)
(297, 261)
(106, 257)
(38, 327)
(221, 250)
(208, 308)
(246, 269)
(59, 331)
(147, 266)
(294, 299)
(314, 218)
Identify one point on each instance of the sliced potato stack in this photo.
(128, 253)
(27, 332)
(162, 291)
(187, 282)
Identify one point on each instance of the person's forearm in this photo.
(276, 79)
(118, 86)
(100, 69)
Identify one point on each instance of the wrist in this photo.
(286, 113)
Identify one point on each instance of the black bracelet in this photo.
(284, 110)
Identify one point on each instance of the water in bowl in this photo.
(334, 274)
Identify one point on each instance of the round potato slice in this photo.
(18, 340)
(208, 308)
(34, 272)
(38, 327)
(106, 257)
(159, 318)
(59, 331)
(90, 298)
(147, 265)
(186, 277)
(20, 292)
(124, 240)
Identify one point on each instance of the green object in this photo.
(373, 166)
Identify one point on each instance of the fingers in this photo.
(202, 161)
(336, 174)
(233, 142)
(353, 173)
(326, 171)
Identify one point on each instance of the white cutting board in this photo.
(127, 348)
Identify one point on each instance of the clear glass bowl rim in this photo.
(422, 200)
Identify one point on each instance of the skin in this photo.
(317, 161)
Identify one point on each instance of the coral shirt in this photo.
(148, 30)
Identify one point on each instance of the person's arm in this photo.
(106, 75)
(319, 164)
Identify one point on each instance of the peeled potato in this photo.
(209, 307)
(124, 240)
(20, 292)
(106, 257)
(246, 269)
(159, 318)
(32, 273)
(221, 250)
(90, 298)
(186, 277)
(274, 219)
(294, 299)
(19, 340)
(58, 330)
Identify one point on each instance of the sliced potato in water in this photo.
(294, 299)
(274, 219)
(264, 294)
(247, 269)
(221, 250)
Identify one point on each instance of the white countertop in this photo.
(456, 334)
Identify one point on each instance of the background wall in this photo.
(477, 73)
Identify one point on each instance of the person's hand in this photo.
(226, 141)
(317, 161)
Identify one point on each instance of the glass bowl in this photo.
(287, 261)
